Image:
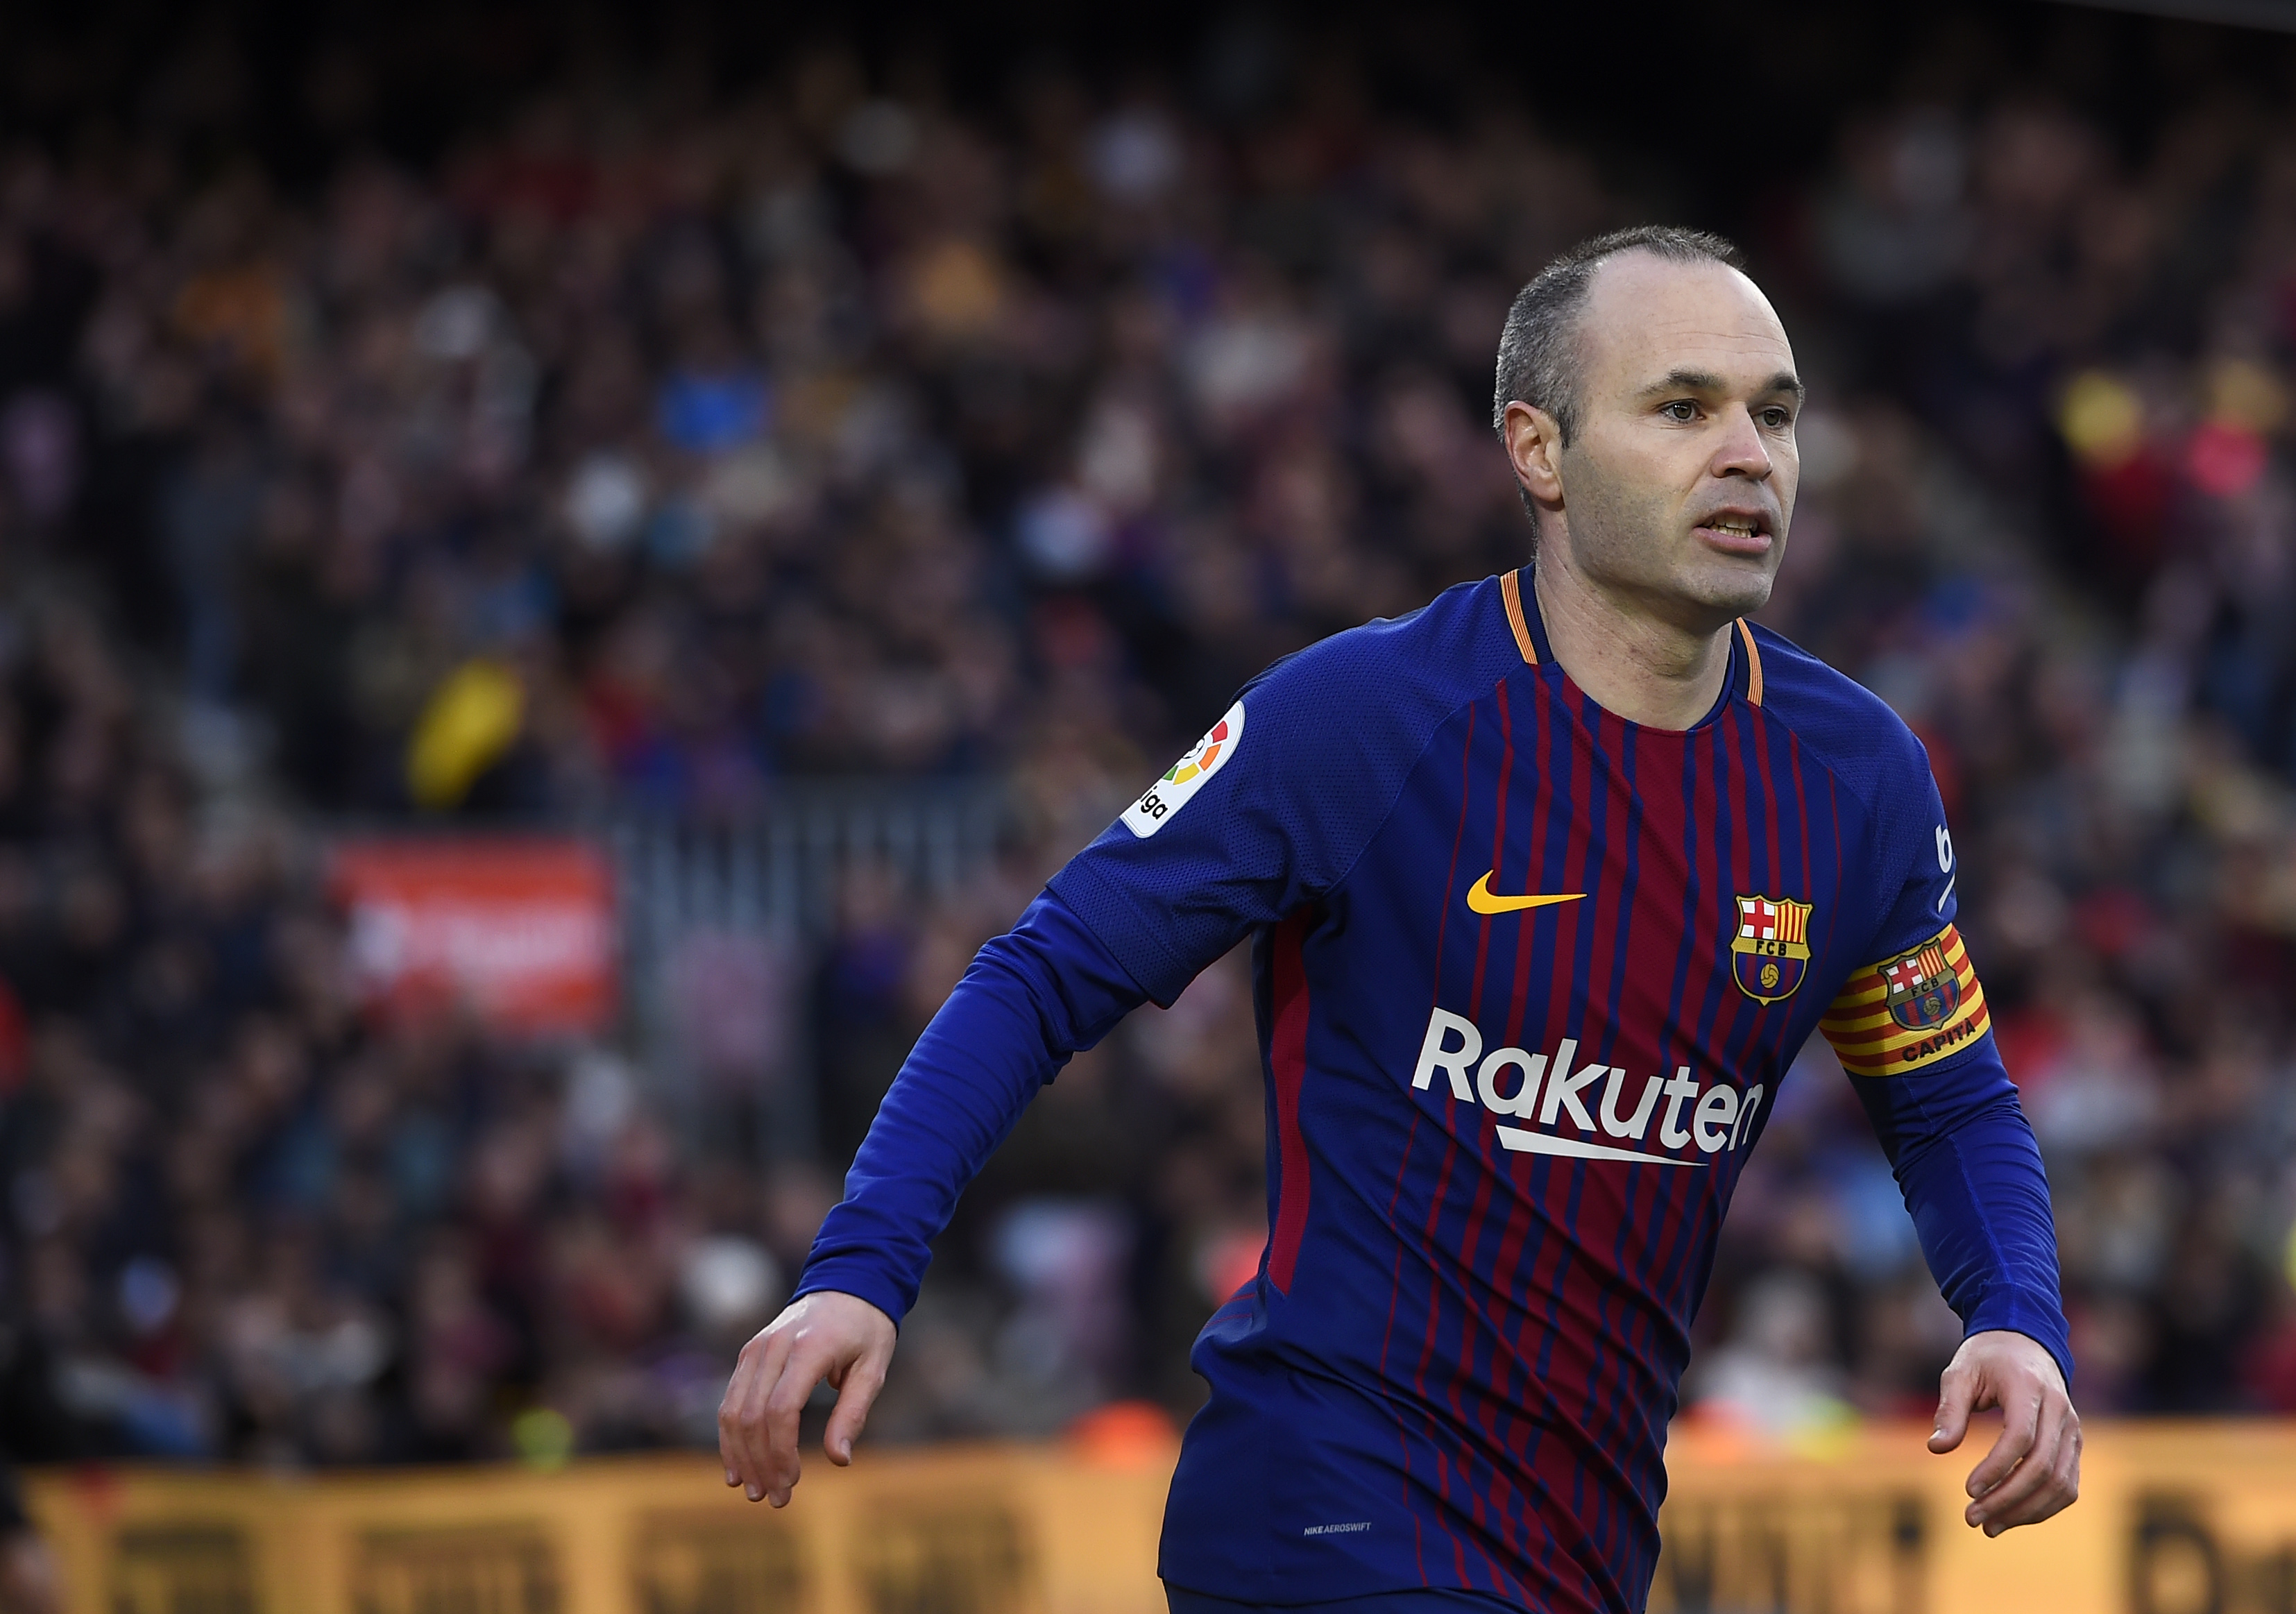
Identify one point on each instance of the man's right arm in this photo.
(1032, 998)
(1264, 814)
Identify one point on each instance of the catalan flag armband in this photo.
(1909, 1010)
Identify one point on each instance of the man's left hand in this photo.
(2034, 1469)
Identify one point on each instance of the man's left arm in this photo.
(1971, 1176)
(1913, 1031)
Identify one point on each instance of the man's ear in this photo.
(1534, 445)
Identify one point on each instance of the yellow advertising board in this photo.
(1026, 1531)
(2173, 1518)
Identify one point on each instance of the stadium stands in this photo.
(641, 461)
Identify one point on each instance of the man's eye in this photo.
(1777, 420)
(1682, 409)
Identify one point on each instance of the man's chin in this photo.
(1724, 593)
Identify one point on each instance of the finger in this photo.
(728, 1439)
(855, 1397)
(2028, 1484)
(2069, 1464)
(2056, 1490)
(751, 1460)
(2022, 1412)
(729, 1407)
(1956, 1392)
(2062, 1488)
(729, 1411)
(784, 1406)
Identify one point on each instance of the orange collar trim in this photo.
(1511, 591)
(1753, 665)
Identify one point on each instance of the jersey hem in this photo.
(1296, 1592)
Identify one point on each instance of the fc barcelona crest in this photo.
(1923, 991)
(1770, 952)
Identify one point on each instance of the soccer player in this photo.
(1549, 882)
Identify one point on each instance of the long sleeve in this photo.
(1033, 996)
(1973, 1178)
(1915, 1034)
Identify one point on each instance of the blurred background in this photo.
(562, 569)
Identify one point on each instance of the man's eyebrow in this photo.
(1706, 380)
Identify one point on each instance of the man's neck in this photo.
(1636, 664)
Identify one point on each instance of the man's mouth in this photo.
(1737, 532)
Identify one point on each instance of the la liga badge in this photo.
(1185, 777)
(1769, 949)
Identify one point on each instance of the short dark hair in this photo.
(1538, 357)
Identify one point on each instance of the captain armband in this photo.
(1909, 1011)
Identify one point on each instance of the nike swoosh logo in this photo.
(1480, 898)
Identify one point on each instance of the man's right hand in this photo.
(841, 1338)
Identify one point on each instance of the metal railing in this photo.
(780, 872)
(778, 876)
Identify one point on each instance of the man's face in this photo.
(1677, 484)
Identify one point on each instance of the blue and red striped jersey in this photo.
(1529, 978)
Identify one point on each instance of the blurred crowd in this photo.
(651, 451)
(243, 1218)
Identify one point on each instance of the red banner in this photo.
(519, 929)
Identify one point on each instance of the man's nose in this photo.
(1741, 451)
